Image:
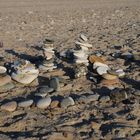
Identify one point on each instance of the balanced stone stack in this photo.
(110, 77)
(25, 73)
(48, 51)
(82, 50)
(5, 80)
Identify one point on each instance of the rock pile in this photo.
(24, 73)
(49, 57)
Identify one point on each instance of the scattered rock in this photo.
(65, 103)
(44, 103)
(26, 103)
(10, 106)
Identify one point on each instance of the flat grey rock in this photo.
(44, 103)
(26, 103)
(66, 102)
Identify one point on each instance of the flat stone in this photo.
(7, 87)
(26, 103)
(4, 80)
(102, 70)
(10, 106)
(48, 55)
(54, 83)
(2, 70)
(99, 64)
(24, 78)
(120, 72)
(84, 44)
(94, 58)
(45, 89)
(104, 99)
(66, 102)
(44, 102)
(109, 76)
(136, 56)
(83, 37)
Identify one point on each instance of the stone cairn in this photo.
(80, 54)
(49, 56)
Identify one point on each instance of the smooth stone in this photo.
(44, 102)
(80, 54)
(10, 106)
(80, 61)
(84, 44)
(26, 103)
(66, 102)
(113, 82)
(104, 99)
(112, 72)
(41, 94)
(45, 89)
(89, 98)
(94, 58)
(28, 70)
(7, 87)
(120, 72)
(2, 70)
(48, 55)
(24, 78)
(109, 76)
(102, 70)
(99, 64)
(83, 37)
(45, 68)
(48, 64)
(54, 83)
(84, 48)
(4, 80)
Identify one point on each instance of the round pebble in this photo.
(67, 102)
(26, 103)
(10, 106)
(44, 103)
(45, 89)
(54, 83)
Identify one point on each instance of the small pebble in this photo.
(67, 102)
(26, 103)
(10, 106)
(44, 103)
